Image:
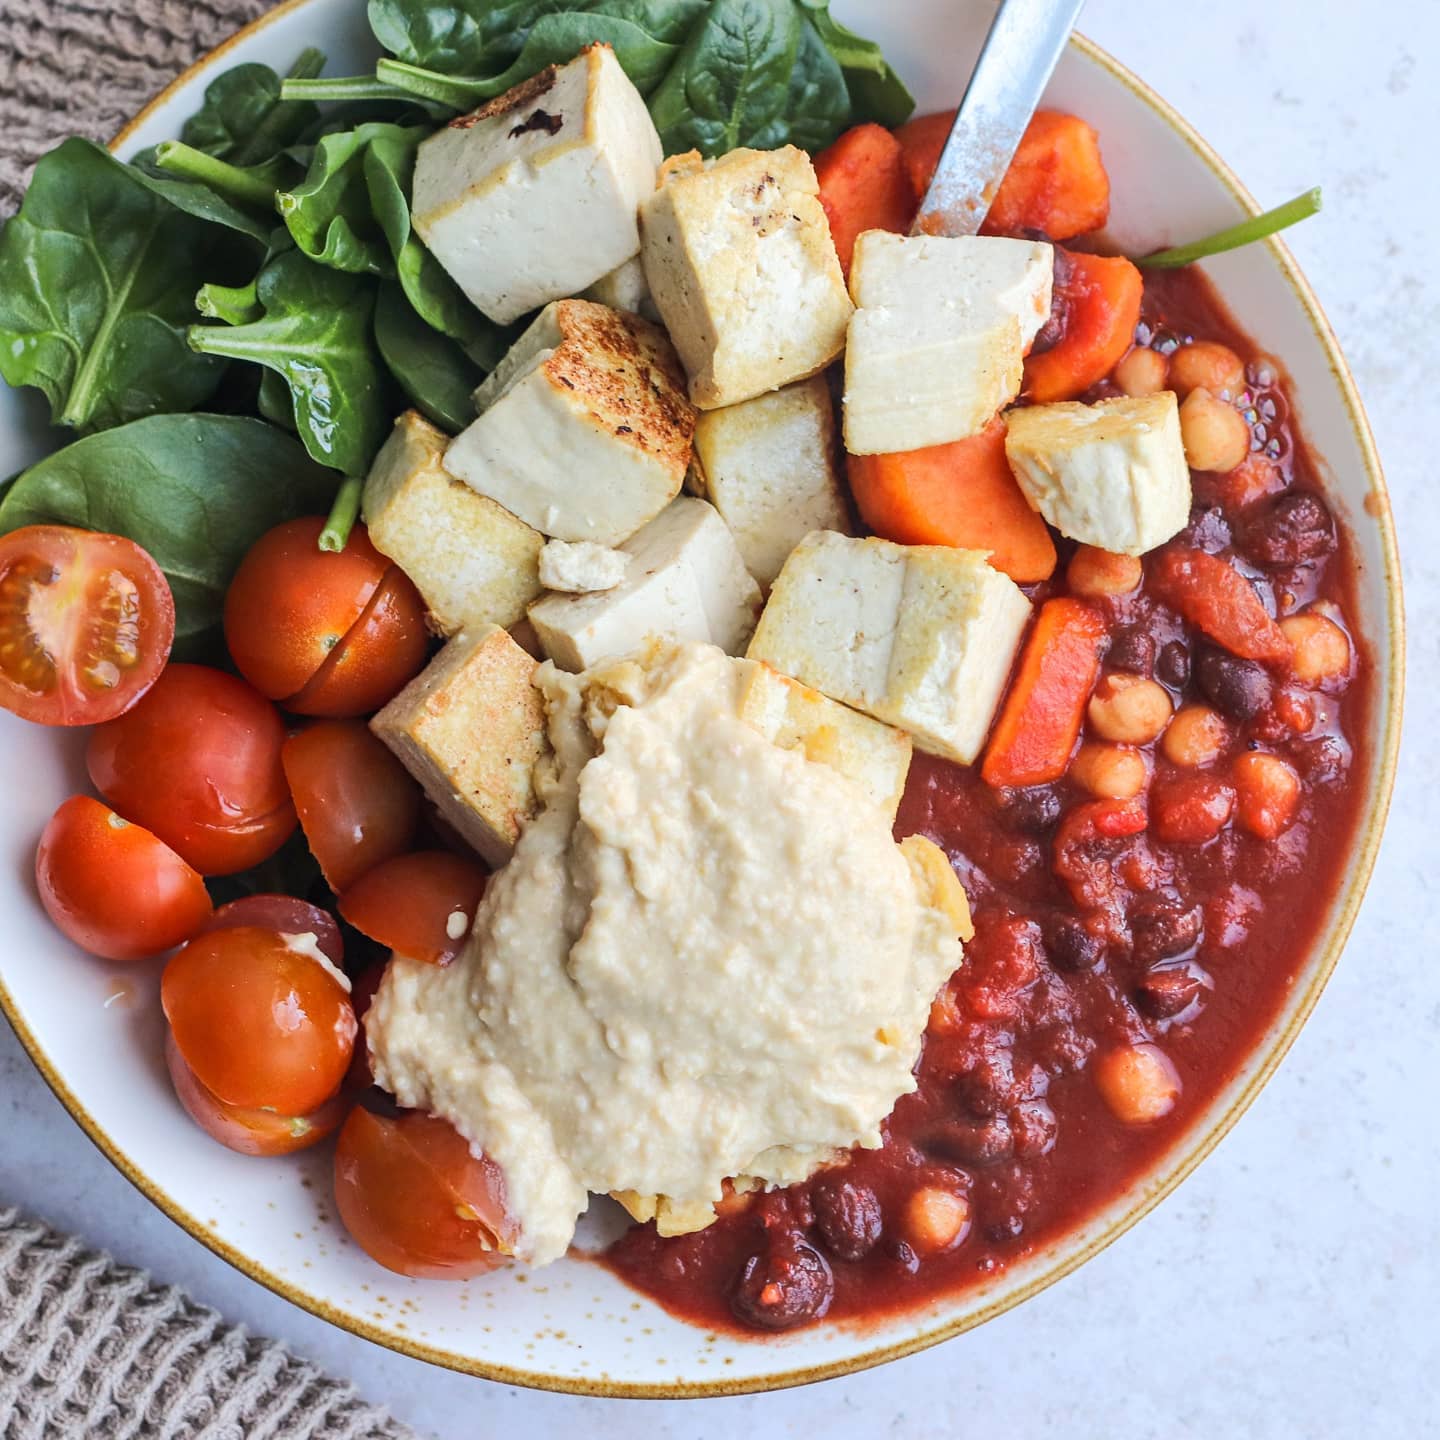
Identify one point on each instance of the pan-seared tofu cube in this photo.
(1112, 474)
(685, 581)
(922, 637)
(771, 467)
(472, 561)
(537, 194)
(795, 717)
(743, 270)
(580, 568)
(471, 728)
(584, 432)
(938, 343)
(625, 288)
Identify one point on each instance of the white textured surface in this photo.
(1290, 1288)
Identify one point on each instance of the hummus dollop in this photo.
(707, 959)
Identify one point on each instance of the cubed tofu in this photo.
(771, 467)
(1113, 474)
(472, 561)
(685, 581)
(537, 194)
(584, 432)
(938, 341)
(922, 637)
(580, 568)
(471, 728)
(625, 289)
(744, 273)
(874, 755)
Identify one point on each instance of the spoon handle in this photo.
(1021, 51)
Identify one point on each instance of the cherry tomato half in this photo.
(198, 762)
(261, 1022)
(113, 887)
(362, 1075)
(324, 633)
(421, 905)
(86, 624)
(417, 1200)
(251, 1132)
(357, 803)
(286, 916)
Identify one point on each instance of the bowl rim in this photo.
(1180, 1166)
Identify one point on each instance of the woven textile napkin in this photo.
(89, 1349)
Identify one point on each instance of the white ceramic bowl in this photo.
(95, 1030)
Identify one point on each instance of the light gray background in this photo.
(1292, 1287)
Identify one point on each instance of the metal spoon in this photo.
(1021, 51)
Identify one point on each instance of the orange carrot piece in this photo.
(1057, 181)
(1097, 298)
(864, 186)
(1035, 737)
(1213, 595)
(963, 494)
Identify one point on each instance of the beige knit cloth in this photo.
(89, 1349)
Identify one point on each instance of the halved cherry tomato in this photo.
(113, 887)
(251, 1132)
(324, 633)
(286, 916)
(361, 1075)
(420, 905)
(198, 762)
(357, 803)
(261, 1022)
(415, 1199)
(86, 624)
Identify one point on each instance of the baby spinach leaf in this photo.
(196, 491)
(437, 376)
(315, 334)
(876, 92)
(817, 108)
(244, 119)
(731, 80)
(209, 189)
(101, 275)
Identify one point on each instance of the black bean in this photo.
(1323, 761)
(1288, 530)
(1034, 1126)
(974, 1142)
(1172, 666)
(1208, 530)
(1072, 947)
(1166, 992)
(786, 1285)
(1235, 687)
(1132, 651)
(1163, 929)
(1031, 811)
(847, 1215)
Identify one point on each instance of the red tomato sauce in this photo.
(1007, 1113)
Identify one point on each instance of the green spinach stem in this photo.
(453, 92)
(234, 304)
(338, 87)
(343, 514)
(1247, 232)
(176, 158)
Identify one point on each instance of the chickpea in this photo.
(1295, 710)
(1321, 649)
(1096, 573)
(1109, 772)
(1197, 736)
(935, 1219)
(1129, 709)
(1215, 435)
(1205, 365)
(1267, 793)
(1138, 1082)
(1141, 372)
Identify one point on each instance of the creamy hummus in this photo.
(707, 959)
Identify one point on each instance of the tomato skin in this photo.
(416, 1200)
(286, 916)
(250, 1132)
(261, 1023)
(113, 887)
(408, 904)
(327, 634)
(356, 801)
(197, 761)
(362, 1075)
(86, 624)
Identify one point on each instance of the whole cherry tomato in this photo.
(329, 634)
(86, 624)
(262, 1020)
(198, 762)
(113, 887)
(417, 1200)
(420, 905)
